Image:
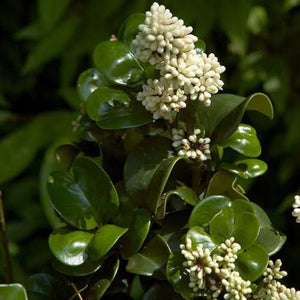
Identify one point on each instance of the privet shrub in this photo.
(150, 196)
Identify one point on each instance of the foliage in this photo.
(115, 174)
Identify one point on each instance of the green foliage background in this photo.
(45, 44)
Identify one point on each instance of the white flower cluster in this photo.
(213, 274)
(164, 41)
(296, 206)
(272, 288)
(193, 146)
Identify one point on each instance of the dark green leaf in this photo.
(129, 29)
(177, 275)
(69, 246)
(112, 109)
(151, 260)
(87, 268)
(271, 239)
(88, 81)
(106, 275)
(18, 149)
(115, 61)
(51, 45)
(103, 240)
(244, 141)
(223, 183)
(158, 291)
(14, 291)
(133, 240)
(263, 218)
(205, 210)
(252, 262)
(86, 195)
(198, 236)
(141, 165)
(50, 12)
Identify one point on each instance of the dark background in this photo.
(44, 46)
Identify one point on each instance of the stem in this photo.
(196, 178)
(4, 240)
(77, 292)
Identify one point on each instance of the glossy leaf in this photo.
(129, 29)
(271, 239)
(198, 236)
(263, 218)
(118, 65)
(247, 168)
(183, 192)
(244, 141)
(240, 206)
(222, 118)
(205, 210)
(222, 225)
(136, 290)
(133, 240)
(223, 183)
(84, 196)
(14, 291)
(141, 165)
(101, 101)
(69, 246)
(151, 260)
(177, 275)
(88, 81)
(252, 262)
(64, 156)
(106, 275)
(103, 240)
(87, 268)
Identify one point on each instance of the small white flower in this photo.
(296, 206)
(162, 34)
(192, 146)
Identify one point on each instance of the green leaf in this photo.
(252, 262)
(271, 239)
(263, 218)
(141, 165)
(136, 290)
(177, 275)
(50, 12)
(84, 196)
(103, 240)
(133, 240)
(69, 246)
(14, 291)
(198, 236)
(87, 268)
(88, 81)
(129, 29)
(151, 260)
(222, 225)
(246, 168)
(244, 141)
(223, 183)
(106, 275)
(51, 45)
(222, 118)
(159, 291)
(119, 66)
(184, 193)
(205, 210)
(44, 284)
(245, 222)
(112, 109)
(18, 149)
